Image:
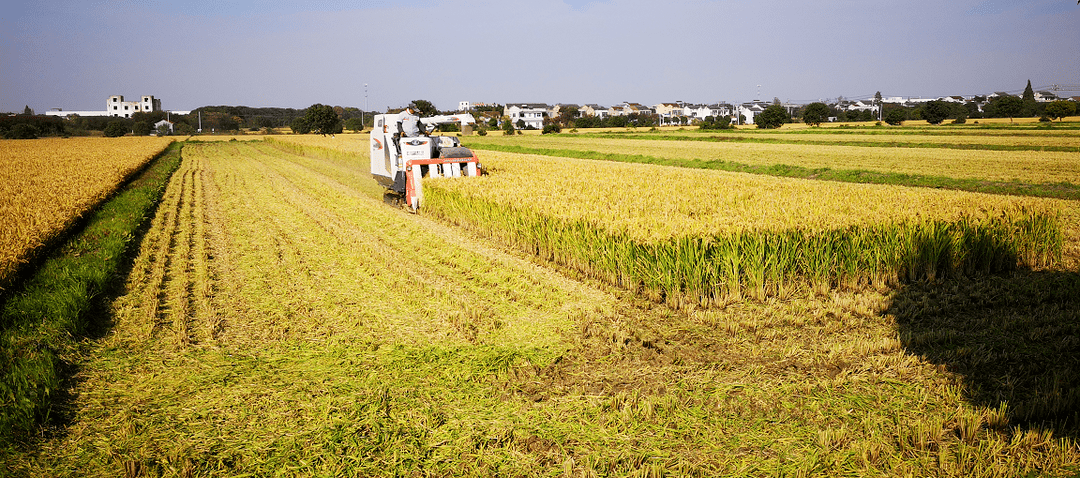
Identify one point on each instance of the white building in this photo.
(532, 114)
(749, 110)
(116, 106)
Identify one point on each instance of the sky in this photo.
(74, 54)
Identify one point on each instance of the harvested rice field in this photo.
(567, 316)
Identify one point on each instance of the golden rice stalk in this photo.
(47, 184)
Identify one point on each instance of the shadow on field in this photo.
(1014, 340)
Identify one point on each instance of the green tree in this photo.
(115, 129)
(586, 122)
(228, 123)
(322, 119)
(28, 111)
(140, 128)
(1060, 109)
(1008, 106)
(895, 116)
(568, 114)
(424, 108)
(22, 131)
(354, 124)
(1029, 105)
(934, 112)
(773, 117)
(816, 113)
(300, 125)
(508, 127)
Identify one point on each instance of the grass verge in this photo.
(1062, 190)
(41, 321)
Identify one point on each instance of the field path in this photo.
(282, 320)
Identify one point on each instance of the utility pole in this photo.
(365, 107)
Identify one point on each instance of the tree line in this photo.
(223, 119)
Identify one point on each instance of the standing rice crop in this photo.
(48, 184)
(632, 233)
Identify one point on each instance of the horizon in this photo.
(281, 55)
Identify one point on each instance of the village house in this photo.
(665, 110)
(162, 126)
(530, 114)
(747, 112)
(593, 109)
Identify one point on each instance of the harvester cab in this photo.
(399, 162)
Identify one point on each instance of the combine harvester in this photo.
(399, 162)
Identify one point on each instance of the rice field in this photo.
(696, 237)
(1022, 166)
(280, 319)
(48, 184)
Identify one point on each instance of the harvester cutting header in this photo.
(403, 152)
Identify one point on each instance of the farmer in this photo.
(410, 123)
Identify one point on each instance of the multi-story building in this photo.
(116, 106)
(531, 114)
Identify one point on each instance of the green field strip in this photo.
(1062, 190)
(738, 138)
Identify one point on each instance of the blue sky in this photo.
(74, 54)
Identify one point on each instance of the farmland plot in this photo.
(47, 184)
(281, 320)
(1023, 166)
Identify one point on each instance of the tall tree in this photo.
(1029, 101)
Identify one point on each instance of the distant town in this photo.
(147, 115)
